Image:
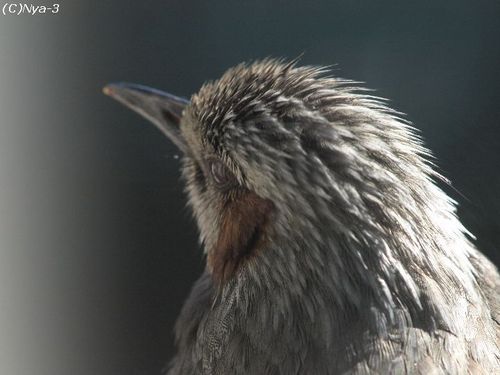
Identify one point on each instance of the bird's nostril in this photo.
(169, 116)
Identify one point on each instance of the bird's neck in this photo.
(399, 272)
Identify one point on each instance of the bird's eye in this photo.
(221, 175)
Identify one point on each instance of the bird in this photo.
(330, 246)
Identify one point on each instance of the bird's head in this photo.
(295, 177)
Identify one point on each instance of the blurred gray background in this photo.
(97, 250)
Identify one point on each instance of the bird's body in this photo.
(330, 249)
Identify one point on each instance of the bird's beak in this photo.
(162, 109)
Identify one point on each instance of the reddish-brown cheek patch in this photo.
(241, 234)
